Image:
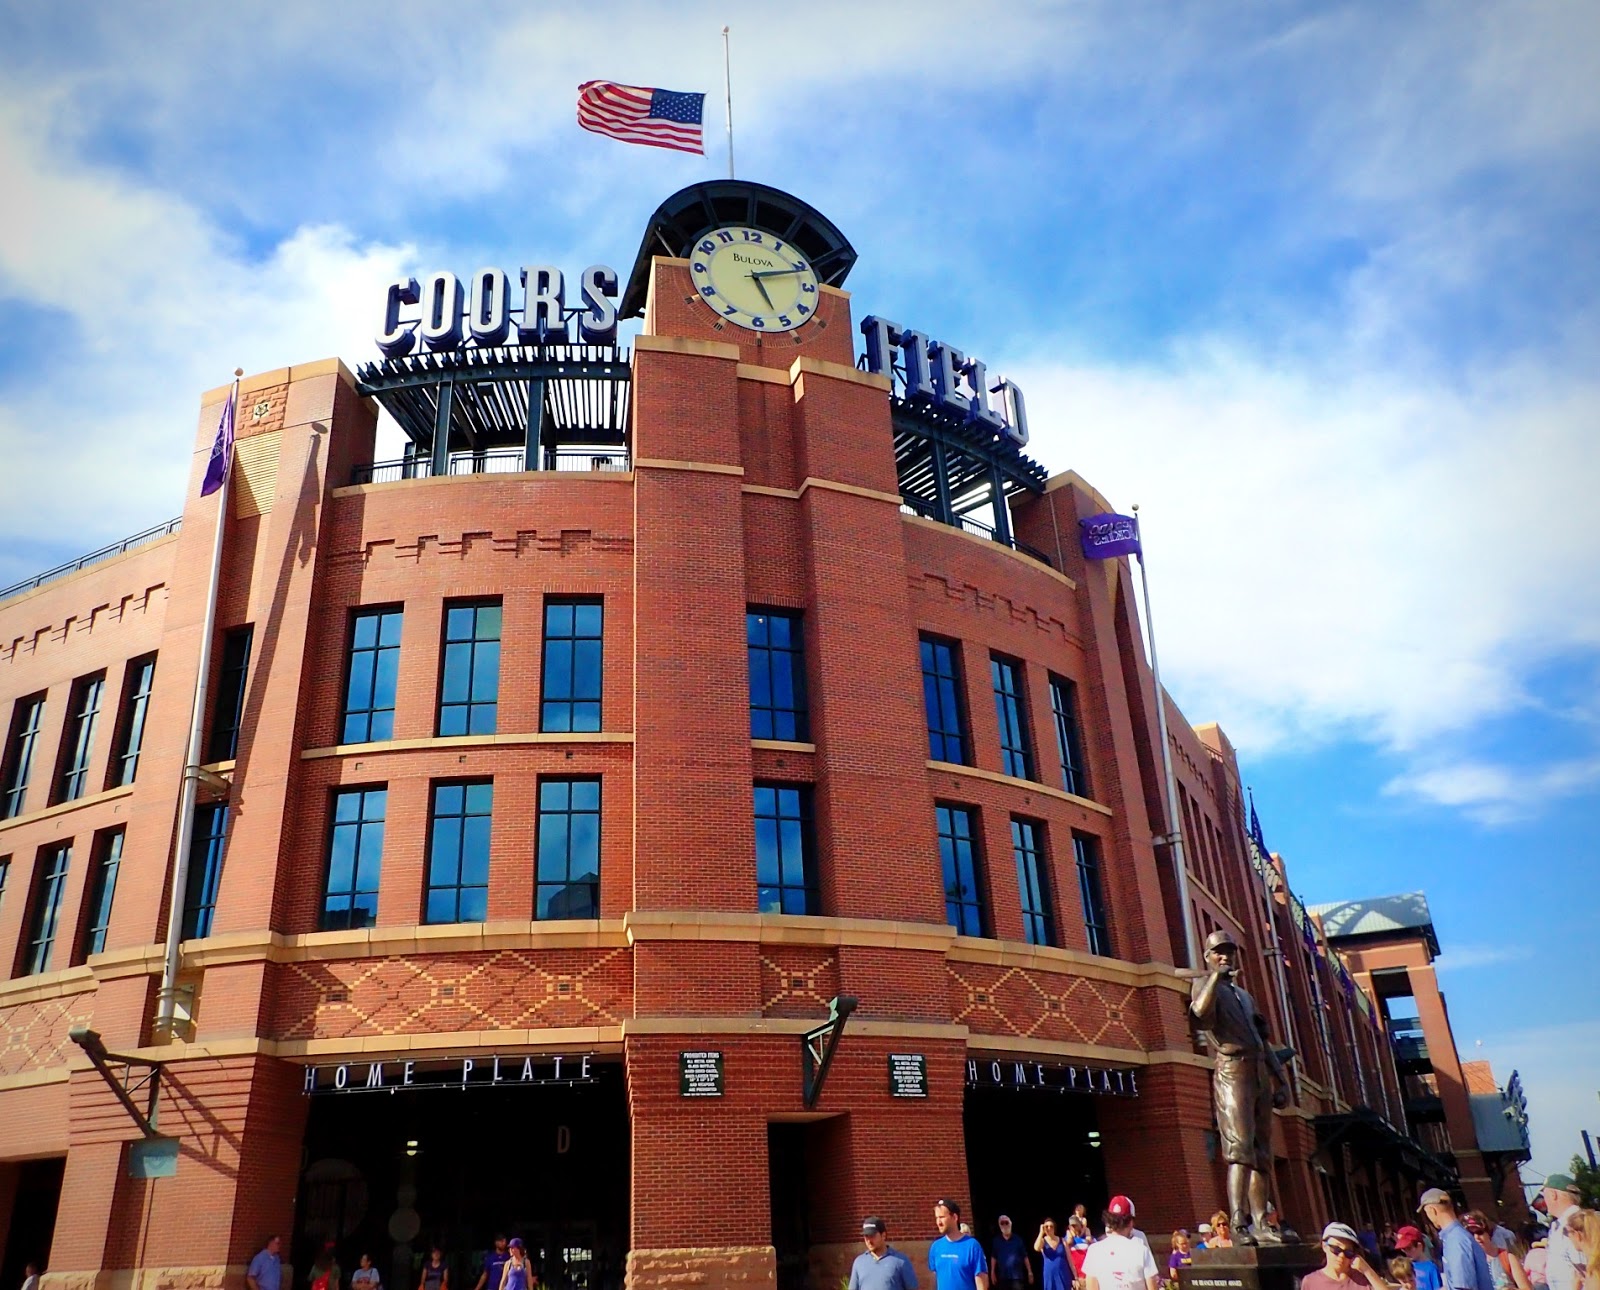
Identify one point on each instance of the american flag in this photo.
(634, 114)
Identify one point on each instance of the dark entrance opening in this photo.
(33, 1216)
(790, 1148)
(392, 1174)
(1031, 1154)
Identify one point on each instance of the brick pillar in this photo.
(1155, 1147)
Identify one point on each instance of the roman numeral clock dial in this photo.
(754, 279)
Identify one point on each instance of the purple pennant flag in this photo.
(1105, 537)
(221, 451)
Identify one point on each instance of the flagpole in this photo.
(1175, 838)
(727, 88)
(1257, 842)
(167, 998)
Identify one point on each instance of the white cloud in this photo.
(1458, 957)
(1497, 794)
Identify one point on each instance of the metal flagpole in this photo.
(167, 999)
(1175, 838)
(727, 86)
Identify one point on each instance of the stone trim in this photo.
(992, 545)
(783, 745)
(1011, 781)
(651, 344)
(77, 803)
(516, 476)
(700, 467)
(838, 372)
(446, 742)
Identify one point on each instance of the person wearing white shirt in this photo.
(1117, 1261)
(1562, 1263)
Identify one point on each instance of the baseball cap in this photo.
(951, 1205)
(1474, 1224)
(1120, 1207)
(1434, 1196)
(1562, 1182)
(871, 1225)
(516, 1243)
(1408, 1236)
(1340, 1232)
(1205, 1228)
(1004, 1218)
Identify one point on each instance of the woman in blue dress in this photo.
(1050, 1247)
(518, 1273)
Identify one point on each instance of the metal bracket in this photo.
(215, 782)
(150, 1084)
(817, 1047)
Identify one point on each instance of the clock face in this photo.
(754, 279)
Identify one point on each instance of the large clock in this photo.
(754, 278)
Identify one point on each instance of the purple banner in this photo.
(221, 451)
(1105, 537)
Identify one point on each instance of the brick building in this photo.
(544, 811)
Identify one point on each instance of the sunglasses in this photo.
(1342, 1251)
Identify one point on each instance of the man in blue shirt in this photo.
(1465, 1265)
(266, 1269)
(1012, 1269)
(880, 1266)
(955, 1259)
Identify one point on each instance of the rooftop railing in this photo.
(916, 506)
(498, 461)
(94, 557)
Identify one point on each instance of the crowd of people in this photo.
(506, 1266)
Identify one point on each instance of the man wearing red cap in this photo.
(1117, 1261)
(1408, 1240)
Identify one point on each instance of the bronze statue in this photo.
(1249, 1081)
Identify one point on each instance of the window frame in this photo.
(1065, 710)
(978, 904)
(472, 707)
(22, 746)
(208, 853)
(794, 653)
(1034, 891)
(431, 887)
(572, 701)
(106, 863)
(934, 696)
(133, 710)
(371, 712)
(569, 812)
(1091, 894)
(1011, 715)
(71, 779)
(233, 682)
(360, 825)
(807, 892)
(42, 924)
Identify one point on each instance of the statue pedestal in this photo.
(1250, 1267)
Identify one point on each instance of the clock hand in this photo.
(762, 288)
(773, 273)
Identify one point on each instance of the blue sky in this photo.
(1314, 284)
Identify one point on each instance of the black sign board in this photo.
(700, 1074)
(517, 1070)
(1010, 1073)
(908, 1075)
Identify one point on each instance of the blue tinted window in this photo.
(568, 879)
(1086, 850)
(102, 892)
(469, 673)
(573, 637)
(941, 696)
(138, 684)
(1038, 925)
(1016, 757)
(1064, 706)
(49, 890)
(458, 853)
(963, 898)
(78, 744)
(21, 744)
(786, 871)
(355, 857)
(228, 713)
(777, 675)
(206, 849)
(372, 676)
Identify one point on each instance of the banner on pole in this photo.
(1105, 537)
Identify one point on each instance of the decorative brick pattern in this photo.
(797, 981)
(409, 994)
(33, 1036)
(1034, 1005)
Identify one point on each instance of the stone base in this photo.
(1250, 1267)
(723, 1267)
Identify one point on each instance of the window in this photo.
(941, 695)
(777, 675)
(469, 680)
(205, 869)
(229, 711)
(1038, 926)
(786, 873)
(372, 676)
(138, 680)
(77, 744)
(572, 639)
(568, 884)
(963, 899)
(49, 889)
(102, 891)
(1009, 707)
(5, 873)
(1087, 852)
(458, 853)
(355, 854)
(26, 718)
(1064, 707)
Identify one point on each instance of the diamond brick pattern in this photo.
(797, 981)
(1039, 1005)
(33, 1036)
(409, 994)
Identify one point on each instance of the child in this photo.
(1401, 1273)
